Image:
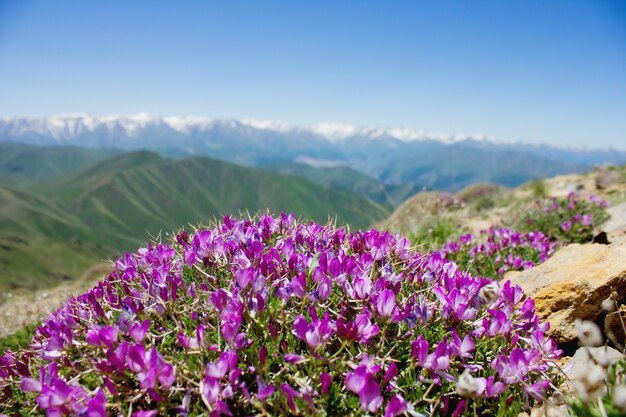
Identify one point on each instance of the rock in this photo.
(585, 361)
(614, 326)
(572, 284)
(549, 410)
(601, 238)
(606, 178)
(603, 356)
(615, 227)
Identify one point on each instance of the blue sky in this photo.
(552, 72)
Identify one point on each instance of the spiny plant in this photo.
(539, 189)
(279, 317)
(543, 228)
(569, 220)
(496, 251)
(21, 338)
(435, 234)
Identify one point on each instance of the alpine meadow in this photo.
(272, 208)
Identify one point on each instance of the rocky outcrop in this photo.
(615, 228)
(614, 327)
(584, 356)
(573, 283)
(606, 178)
(419, 210)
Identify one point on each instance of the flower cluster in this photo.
(498, 250)
(278, 317)
(569, 220)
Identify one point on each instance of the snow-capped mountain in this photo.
(114, 129)
(393, 155)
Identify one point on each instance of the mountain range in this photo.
(77, 189)
(99, 205)
(396, 157)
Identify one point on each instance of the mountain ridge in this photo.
(57, 229)
(64, 127)
(410, 158)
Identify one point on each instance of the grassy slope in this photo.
(41, 243)
(341, 177)
(346, 178)
(141, 193)
(25, 164)
(56, 230)
(454, 167)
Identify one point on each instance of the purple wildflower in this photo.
(316, 333)
(396, 406)
(385, 303)
(363, 383)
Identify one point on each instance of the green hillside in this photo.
(41, 243)
(26, 164)
(454, 167)
(140, 193)
(57, 229)
(340, 177)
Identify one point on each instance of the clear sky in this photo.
(542, 71)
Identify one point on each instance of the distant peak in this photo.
(68, 124)
(64, 128)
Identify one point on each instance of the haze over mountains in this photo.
(395, 157)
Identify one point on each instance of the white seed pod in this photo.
(489, 293)
(619, 397)
(588, 381)
(467, 386)
(608, 304)
(589, 333)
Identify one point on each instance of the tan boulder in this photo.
(608, 177)
(615, 327)
(573, 283)
(615, 228)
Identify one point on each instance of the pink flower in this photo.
(514, 367)
(102, 336)
(264, 390)
(326, 380)
(315, 334)
(365, 329)
(138, 331)
(362, 287)
(363, 383)
(385, 303)
(293, 358)
(391, 373)
(396, 406)
(290, 393)
(150, 367)
(96, 407)
(149, 413)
